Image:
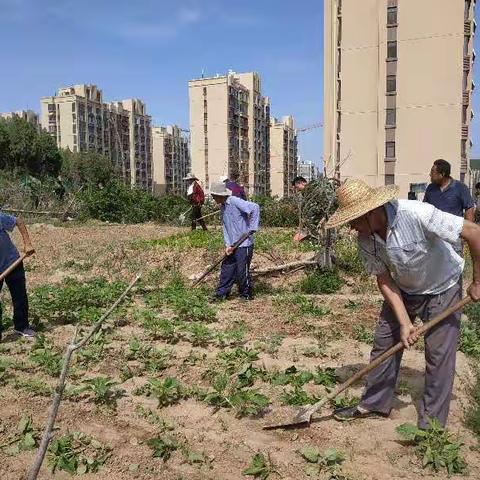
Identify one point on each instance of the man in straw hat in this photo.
(238, 217)
(408, 246)
(196, 197)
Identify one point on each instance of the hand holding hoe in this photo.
(304, 416)
(218, 262)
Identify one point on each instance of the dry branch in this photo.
(57, 396)
(286, 266)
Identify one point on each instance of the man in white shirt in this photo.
(408, 246)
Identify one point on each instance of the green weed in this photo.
(163, 447)
(326, 377)
(34, 386)
(345, 401)
(329, 462)
(297, 396)
(435, 447)
(44, 356)
(73, 301)
(25, 438)
(363, 334)
(77, 453)
(167, 392)
(261, 467)
(319, 282)
(102, 389)
(473, 413)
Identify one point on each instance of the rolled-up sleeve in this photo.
(373, 265)
(444, 225)
(7, 222)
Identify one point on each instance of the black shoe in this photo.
(347, 414)
(26, 333)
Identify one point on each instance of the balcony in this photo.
(467, 60)
(467, 27)
(464, 132)
(466, 97)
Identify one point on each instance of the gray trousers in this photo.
(440, 355)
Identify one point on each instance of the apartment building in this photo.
(171, 160)
(283, 156)
(229, 126)
(79, 119)
(397, 89)
(307, 170)
(28, 115)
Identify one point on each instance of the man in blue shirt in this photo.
(15, 281)
(447, 194)
(238, 217)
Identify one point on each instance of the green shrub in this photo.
(277, 212)
(347, 256)
(317, 282)
(473, 412)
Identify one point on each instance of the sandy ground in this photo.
(372, 447)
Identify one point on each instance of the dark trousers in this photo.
(17, 286)
(196, 214)
(236, 267)
(440, 354)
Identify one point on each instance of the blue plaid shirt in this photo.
(238, 217)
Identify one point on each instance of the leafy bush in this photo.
(277, 212)
(318, 282)
(434, 447)
(77, 453)
(473, 413)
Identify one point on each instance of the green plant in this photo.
(167, 392)
(44, 356)
(77, 453)
(434, 446)
(347, 256)
(34, 386)
(198, 334)
(325, 376)
(297, 396)
(319, 282)
(261, 467)
(160, 328)
(102, 389)
(233, 336)
(470, 339)
(163, 447)
(93, 351)
(26, 438)
(473, 413)
(290, 376)
(362, 334)
(345, 401)
(73, 301)
(329, 462)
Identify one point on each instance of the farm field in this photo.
(174, 387)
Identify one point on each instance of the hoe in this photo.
(304, 416)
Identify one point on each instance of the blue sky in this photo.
(150, 49)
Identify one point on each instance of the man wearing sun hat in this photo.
(238, 218)
(408, 246)
(196, 197)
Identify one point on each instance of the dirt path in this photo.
(273, 327)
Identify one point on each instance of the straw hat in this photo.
(220, 190)
(190, 176)
(355, 198)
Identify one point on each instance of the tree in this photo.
(87, 168)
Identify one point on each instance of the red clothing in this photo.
(197, 197)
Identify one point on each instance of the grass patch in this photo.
(318, 282)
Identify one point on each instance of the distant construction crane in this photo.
(310, 127)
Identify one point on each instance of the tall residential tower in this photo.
(397, 89)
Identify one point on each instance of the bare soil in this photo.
(372, 447)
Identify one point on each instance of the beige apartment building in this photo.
(79, 119)
(283, 156)
(171, 160)
(397, 89)
(28, 115)
(229, 130)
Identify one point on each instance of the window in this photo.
(392, 15)
(389, 179)
(390, 149)
(391, 83)
(391, 50)
(391, 117)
